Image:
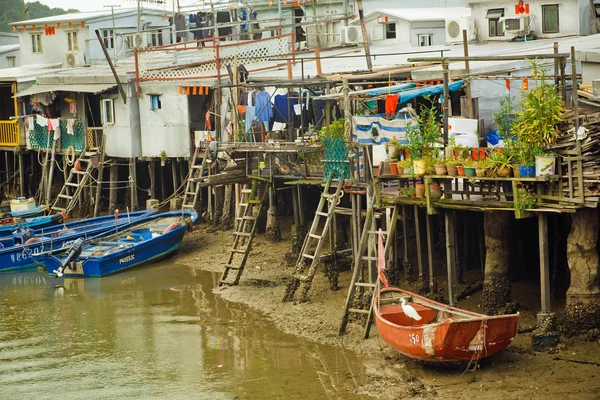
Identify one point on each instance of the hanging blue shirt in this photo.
(263, 107)
(281, 108)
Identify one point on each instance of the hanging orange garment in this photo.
(391, 102)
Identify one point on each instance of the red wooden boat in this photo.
(444, 333)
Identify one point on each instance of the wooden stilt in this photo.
(418, 233)
(429, 250)
(174, 173)
(50, 174)
(405, 237)
(133, 184)
(451, 256)
(112, 196)
(163, 188)
(152, 173)
(21, 176)
(544, 262)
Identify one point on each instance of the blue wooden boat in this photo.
(23, 249)
(11, 224)
(144, 241)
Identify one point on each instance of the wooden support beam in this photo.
(112, 195)
(365, 37)
(451, 256)
(418, 240)
(133, 183)
(446, 100)
(544, 262)
(21, 176)
(152, 173)
(429, 250)
(468, 72)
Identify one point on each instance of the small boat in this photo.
(8, 225)
(20, 250)
(144, 241)
(443, 333)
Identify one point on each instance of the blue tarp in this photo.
(403, 97)
(391, 89)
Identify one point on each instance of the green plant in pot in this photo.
(469, 166)
(423, 138)
(542, 109)
(440, 167)
(406, 192)
(405, 167)
(452, 165)
(500, 162)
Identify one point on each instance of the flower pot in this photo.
(400, 169)
(489, 172)
(530, 171)
(420, 190)
(408, 170)
(469, 171)
(460, 170)
(394, 168)
(517, 171)
(504, 172)
(435, 191)
(452, 170)
(480, 172)
(441, 169)
(523, 171)
(419, 167)
(545, 165)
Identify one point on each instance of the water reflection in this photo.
(154, 332)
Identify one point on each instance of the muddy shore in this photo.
(571, 371)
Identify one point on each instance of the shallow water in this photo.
(154, 332)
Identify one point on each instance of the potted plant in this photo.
(500, 163)
(420, 190)
(406, 192)
(526, 156)
(440, 167)
(480, 167)
(536, 123)
(423, 138)
(452, 166)
(405, 167)
(525, 200)
(469, 167)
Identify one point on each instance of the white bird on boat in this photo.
(410, 311)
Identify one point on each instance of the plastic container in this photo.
(141, 234)
(22, 204)
(545, 165)
(419, 167)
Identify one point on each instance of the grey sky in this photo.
(95, 5)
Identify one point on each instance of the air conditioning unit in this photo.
(72, 59)
(518, 25)
(351, 34)
(455, 26)
(138, 40)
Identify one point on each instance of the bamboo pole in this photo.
(365, 38)
(576, 111)
(467, 71)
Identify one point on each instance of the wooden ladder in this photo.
(77, 179)
(192, 186)
(367, 257)
(245, 228)
(315, 237)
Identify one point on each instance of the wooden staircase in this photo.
(366, 261)
(245, 229)
(79, 177)
(313, 242)
(192, 186)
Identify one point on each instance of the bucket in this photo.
(545, 165)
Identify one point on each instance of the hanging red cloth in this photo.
(391, 102)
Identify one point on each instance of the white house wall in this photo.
(372, 5)
(436, 28)
(54, 47)
(166, 129)
(568, 14)
(4, 58)
(123, 138)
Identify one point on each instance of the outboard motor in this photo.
(74, 252)
(21, 236)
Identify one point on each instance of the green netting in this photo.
(77, 139)
(38, 137)
(336, 163)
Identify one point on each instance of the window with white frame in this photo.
(390, 31)
(155, 103)
(12, 61)
(36, 43)
(73, 44)
(108, 35)
(157, 38)
(550, 18)
(425, 39)
(494, 26)
(108, 112)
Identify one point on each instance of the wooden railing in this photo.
(9, 133)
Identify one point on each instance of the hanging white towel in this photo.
(56, 128)
(30, 123)
(42, 121)
(70, 123)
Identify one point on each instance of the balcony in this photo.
(9, 133)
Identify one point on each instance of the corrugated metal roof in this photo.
(87, 88)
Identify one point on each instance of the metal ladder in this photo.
(313, 238)
(192, 186)
(245, 228)
(367, 257)
(77, 179)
